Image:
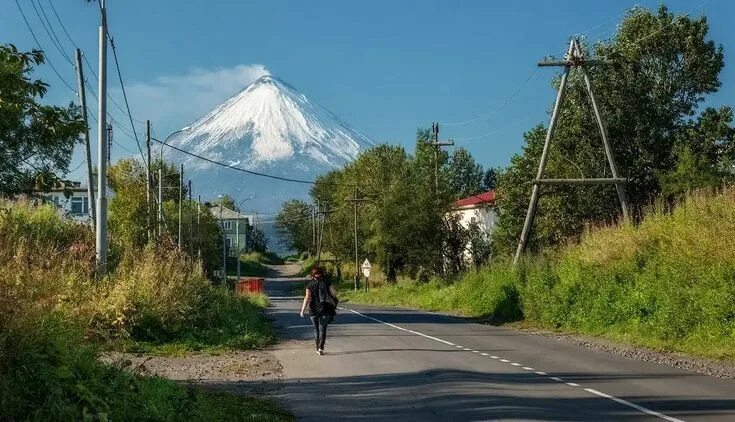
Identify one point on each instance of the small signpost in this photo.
(366, 267)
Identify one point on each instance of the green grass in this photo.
(55, 318)
(241, 326)
(668, 283)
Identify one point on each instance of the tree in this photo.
(228, 202)
(293, 225)
(489, 180)
(257, 241)
(128, 211)
(35, 139)
(663, 67)
(465, 175)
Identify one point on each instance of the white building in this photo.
(479, 208)
(77, 205)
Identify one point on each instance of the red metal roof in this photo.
(486, 198)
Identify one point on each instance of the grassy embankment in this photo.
(668, 283)
(55, 319)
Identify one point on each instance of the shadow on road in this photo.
(443, 394)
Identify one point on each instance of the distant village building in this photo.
(228, 220)
(72, 200)
(478, 208)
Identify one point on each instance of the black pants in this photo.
(320, 329)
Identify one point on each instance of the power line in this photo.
(84, 57)
(38, 44)
(125, 97)
(254, 173)
(50, 31)
(497, 110)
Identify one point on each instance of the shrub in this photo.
(668, 283)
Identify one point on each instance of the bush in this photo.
(668, 283)
(51, 307)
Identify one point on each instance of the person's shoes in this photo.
(320, 351)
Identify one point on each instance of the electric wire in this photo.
(38, 44)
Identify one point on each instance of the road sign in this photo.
(366, 267)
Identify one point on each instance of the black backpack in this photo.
(325, 303)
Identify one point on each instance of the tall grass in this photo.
(54, 315)
(668, 283)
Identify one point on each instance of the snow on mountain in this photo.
(270, 124)
(268, 127)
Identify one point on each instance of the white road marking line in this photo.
(528, 368)
(589, 390)
(633, 405)
(475, 351)
(494, 357)
(457, 346)
(515, 364)
(572, 384)
(483, 353)
(541, 373)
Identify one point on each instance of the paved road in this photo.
(391, 364)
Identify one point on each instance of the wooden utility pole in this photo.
(573, 59)
(149, 182)
(181, 201)
(191, 225)
(199, 229)
(88, 153)
(355, 202)
(437, 147)
(160, 200)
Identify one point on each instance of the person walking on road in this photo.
(321, 297)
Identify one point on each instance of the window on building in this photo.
(228, 242)
(79, 206)
(228, 225)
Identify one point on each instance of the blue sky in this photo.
(385, 67)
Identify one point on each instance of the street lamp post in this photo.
(160, 176)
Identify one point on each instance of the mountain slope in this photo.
(267, 126)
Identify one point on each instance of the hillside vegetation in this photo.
(668, 283)
(55, 318)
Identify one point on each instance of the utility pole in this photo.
(437, 147)
(181, 200)
(149, 182)
(191, 225)
(160, 200)
(355, 202)
(573, 59)
(237, 244)
(199, 232)
(101, 223)
(109, 144)
(224, 247)
(314, 211)
(320, 235)
(88, 153)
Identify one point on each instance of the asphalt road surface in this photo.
(393, 364)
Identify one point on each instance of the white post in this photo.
(101, 226)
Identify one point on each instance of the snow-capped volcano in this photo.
(270, 125)
(271, 128)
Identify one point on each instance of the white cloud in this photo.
(174, 101)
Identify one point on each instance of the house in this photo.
(235, 227)
(72, 200)
(478, 208)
